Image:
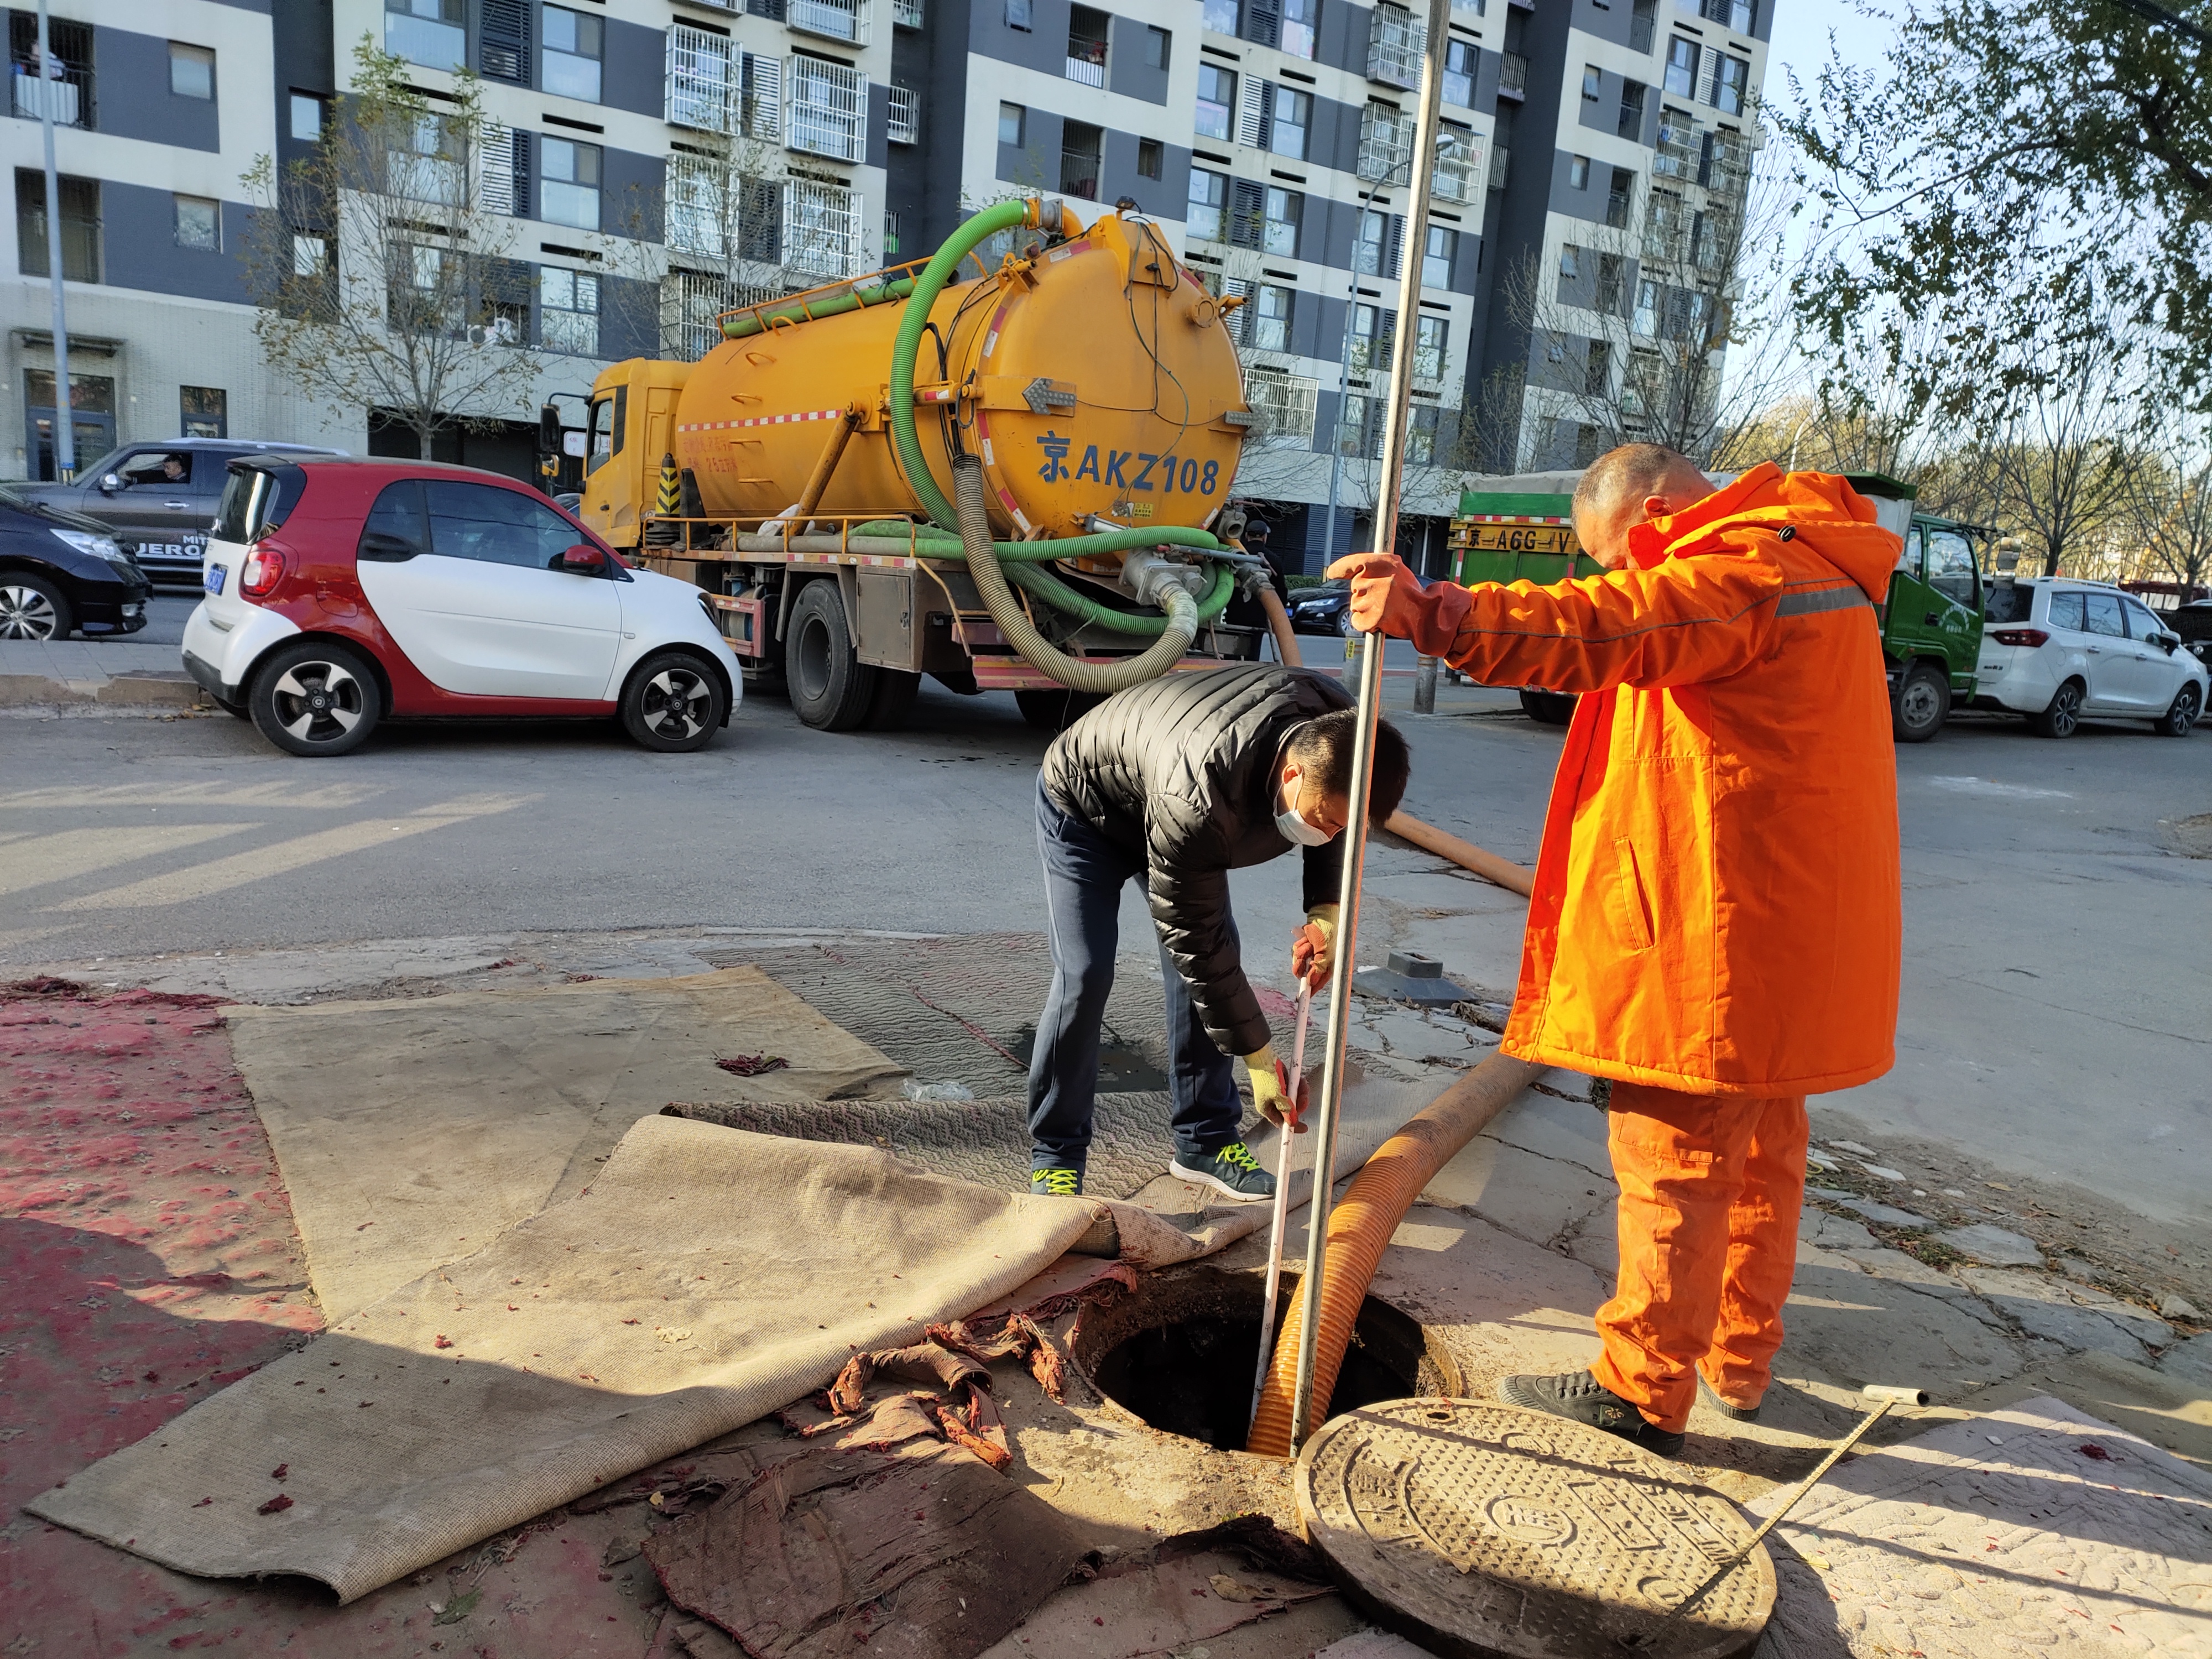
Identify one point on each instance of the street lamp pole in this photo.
(65, 427)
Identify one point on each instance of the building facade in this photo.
(656, 161)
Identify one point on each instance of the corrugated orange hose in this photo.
(1362, 1224)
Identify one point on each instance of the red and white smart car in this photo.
(341, 591)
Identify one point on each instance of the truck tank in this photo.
(1096, 377)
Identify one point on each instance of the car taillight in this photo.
(2030, 636)
(264, 569)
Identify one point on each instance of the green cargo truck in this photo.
(1930, 618)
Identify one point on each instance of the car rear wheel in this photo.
(673, 704)
(1922, 704)
(33, 609)
(2181, 713)
(1548, 707)
(831, 689)
(2063, 715)
(314, 698)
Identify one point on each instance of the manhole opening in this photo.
(1180, 1353)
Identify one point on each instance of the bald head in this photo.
(1629, 486)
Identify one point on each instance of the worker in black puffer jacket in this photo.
(1176, 782)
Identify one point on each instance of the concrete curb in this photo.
(154, 692)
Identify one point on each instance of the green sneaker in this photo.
(1057, 1181)
(1229, 1169)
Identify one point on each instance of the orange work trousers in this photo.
(1710, 1186)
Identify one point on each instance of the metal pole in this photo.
(65, 427)
(1388, 487)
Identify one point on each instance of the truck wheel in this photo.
(1922, 704)
(894, 700)
(314, 698)
(2181, 713)
(2064, 713)
(1548, 707)
(831, 689)
(673, 703)
(1056, 709)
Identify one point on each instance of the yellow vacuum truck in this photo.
(1010, 478)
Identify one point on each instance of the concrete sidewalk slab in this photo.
(36, 673)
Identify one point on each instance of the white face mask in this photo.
(1295, 830)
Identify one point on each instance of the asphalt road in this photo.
(2055, 1016)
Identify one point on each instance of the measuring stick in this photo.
(1282, 1208)
(1889, 1394)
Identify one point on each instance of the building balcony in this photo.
(910, 14)
(833, 20)
(69, 98)
(1512, 75)
(905, 122)
(1089, 71)
(1079, 174)
(1395, 41)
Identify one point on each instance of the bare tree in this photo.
(1631, 336)
(2170, 513)
(380, 264)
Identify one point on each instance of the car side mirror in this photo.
(2166, 642)
(110, 483)
(585, 559)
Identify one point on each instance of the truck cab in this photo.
(1931, 618)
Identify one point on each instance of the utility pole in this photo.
(1306, 1411)
(65, 427)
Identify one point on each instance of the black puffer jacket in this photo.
(1181, 770)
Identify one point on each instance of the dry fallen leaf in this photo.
(1229, 1590)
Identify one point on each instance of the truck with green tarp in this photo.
(1521, 529)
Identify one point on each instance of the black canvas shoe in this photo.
(1581, 1398)
(1056, 1181)
(1734, 1413)
(1231, 1169)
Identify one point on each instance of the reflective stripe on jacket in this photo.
(1716, 907)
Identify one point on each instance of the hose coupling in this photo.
(1151, 576)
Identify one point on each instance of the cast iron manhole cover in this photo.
(1480, 1530)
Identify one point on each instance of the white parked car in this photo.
(2060, 651)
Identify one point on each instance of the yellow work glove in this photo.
(1270, 1088)
(1313, 947)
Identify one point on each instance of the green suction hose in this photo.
(1021, 558)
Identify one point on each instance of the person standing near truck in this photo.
(1175, 783)
(1716, 920)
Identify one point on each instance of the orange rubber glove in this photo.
(1386, 598)
(1313, 947)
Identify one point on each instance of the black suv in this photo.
(158, 499)
(61, 571)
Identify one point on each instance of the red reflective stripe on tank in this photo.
(765, 420)
(990, 340)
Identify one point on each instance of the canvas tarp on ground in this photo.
(411, 1131)
(707, 1276)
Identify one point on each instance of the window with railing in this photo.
(1630, 123)
(1643, 25)
(1395, 40)
(827, 110)
(1597, 368)
(691, 303)
(1459, 165)
(1080, 145)
(1501, 161)
(822, 229)
(1284, 404)
(834, 20)
(1086, 46)
(910, 14)
(1665, 224)
(1678, 150)
(1611, 276)
(1620, 198)
(904, 124)
(1386, 138)
(699, 81)
(699, 208)
(65, 89)
(1513, 74)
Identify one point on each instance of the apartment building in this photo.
(658, 161)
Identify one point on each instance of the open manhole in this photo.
(1180, 1353)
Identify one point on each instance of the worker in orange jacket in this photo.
(1715, 923)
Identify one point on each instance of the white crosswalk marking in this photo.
(38, 860)
(220, 875)
(318, 797)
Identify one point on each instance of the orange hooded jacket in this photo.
(1716, 907)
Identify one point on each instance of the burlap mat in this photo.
(706, 1276)
(413, 1131)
